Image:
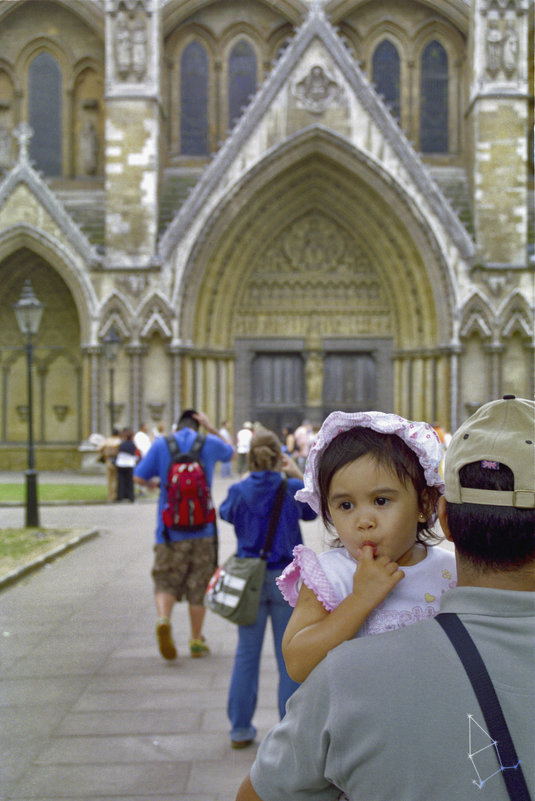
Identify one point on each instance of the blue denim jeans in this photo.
(243, 690)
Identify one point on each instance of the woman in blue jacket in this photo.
(248, 507)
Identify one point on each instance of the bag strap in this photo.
(274, 519)
(193, 452)
(498, 731)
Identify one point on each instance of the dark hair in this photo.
(491, 537)
(389, 451)
(187, 420)
(265, 451)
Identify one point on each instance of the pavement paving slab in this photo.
(88, 708)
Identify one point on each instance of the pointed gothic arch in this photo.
(155, 316)
(312, 163)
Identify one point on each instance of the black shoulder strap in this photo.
(193, 453)
(274, 519)
(508, 761)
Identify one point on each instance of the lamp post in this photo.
(112, 342)
(28, 312)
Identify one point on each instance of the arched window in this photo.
(44, 101)
(434, 100)
(385, 75)
(194, 101)
(241, 79)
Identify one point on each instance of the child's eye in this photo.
(381, 501)
(346, 506)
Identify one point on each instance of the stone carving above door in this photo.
(317, 90)
(313, 266)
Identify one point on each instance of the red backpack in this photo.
(189, 502)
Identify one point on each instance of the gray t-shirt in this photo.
(394, 718)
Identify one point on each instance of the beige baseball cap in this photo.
(501, 431)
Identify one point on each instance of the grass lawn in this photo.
(16, 493)
(20, 546)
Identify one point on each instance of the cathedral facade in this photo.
(279, 208)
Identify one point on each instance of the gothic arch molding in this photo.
(118, 312)
(477, 317)
(299, 172)
(80, 287)
(174, 13)
(515, 316)
(155, 315)
(457, 11)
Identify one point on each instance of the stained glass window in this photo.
(434, 100)
(194, 100)
(385, 75)
(44, 102)
(241, 79)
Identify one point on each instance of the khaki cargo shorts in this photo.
(183, 569)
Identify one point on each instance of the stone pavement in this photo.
(88, 708)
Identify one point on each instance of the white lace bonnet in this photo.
(420, 437)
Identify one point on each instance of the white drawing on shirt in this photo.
(481, 746)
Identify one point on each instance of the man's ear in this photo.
(441, 509)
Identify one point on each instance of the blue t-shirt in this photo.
(155, 464)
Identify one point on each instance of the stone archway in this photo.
(58, 408)
(325, 251)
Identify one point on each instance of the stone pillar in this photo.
(175, 390)
(91, 357)
(498, 117)
(133, 116)
(136, 354)
(495, 351)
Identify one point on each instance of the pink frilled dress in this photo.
(330, 576)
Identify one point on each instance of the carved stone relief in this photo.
(317, 90)
(133, 285)
(5, 148)
(130, 38)
(90, 148)
(315, 267)
(501, 37)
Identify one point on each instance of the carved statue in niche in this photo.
(90, 148)
(317, 90)
(314, 379)
(123, 45)
(139, 49)
(510, 49)
(5, 148)
(494, 47)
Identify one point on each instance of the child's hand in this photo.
(375, 577)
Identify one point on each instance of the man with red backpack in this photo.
(186, 544)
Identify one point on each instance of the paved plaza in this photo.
(89, 709)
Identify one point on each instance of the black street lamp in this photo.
(28, 312)
(112, 342)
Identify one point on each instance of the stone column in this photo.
(495, 351)
(133, 114)
(91, 355)
(136, 354)
(175, 390)
(498, 117)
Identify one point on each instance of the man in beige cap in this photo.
(402, 715)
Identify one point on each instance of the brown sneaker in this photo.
(165, 639)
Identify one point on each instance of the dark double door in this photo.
(351, 382)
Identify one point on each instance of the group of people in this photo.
(120, 453)
(370, 708)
